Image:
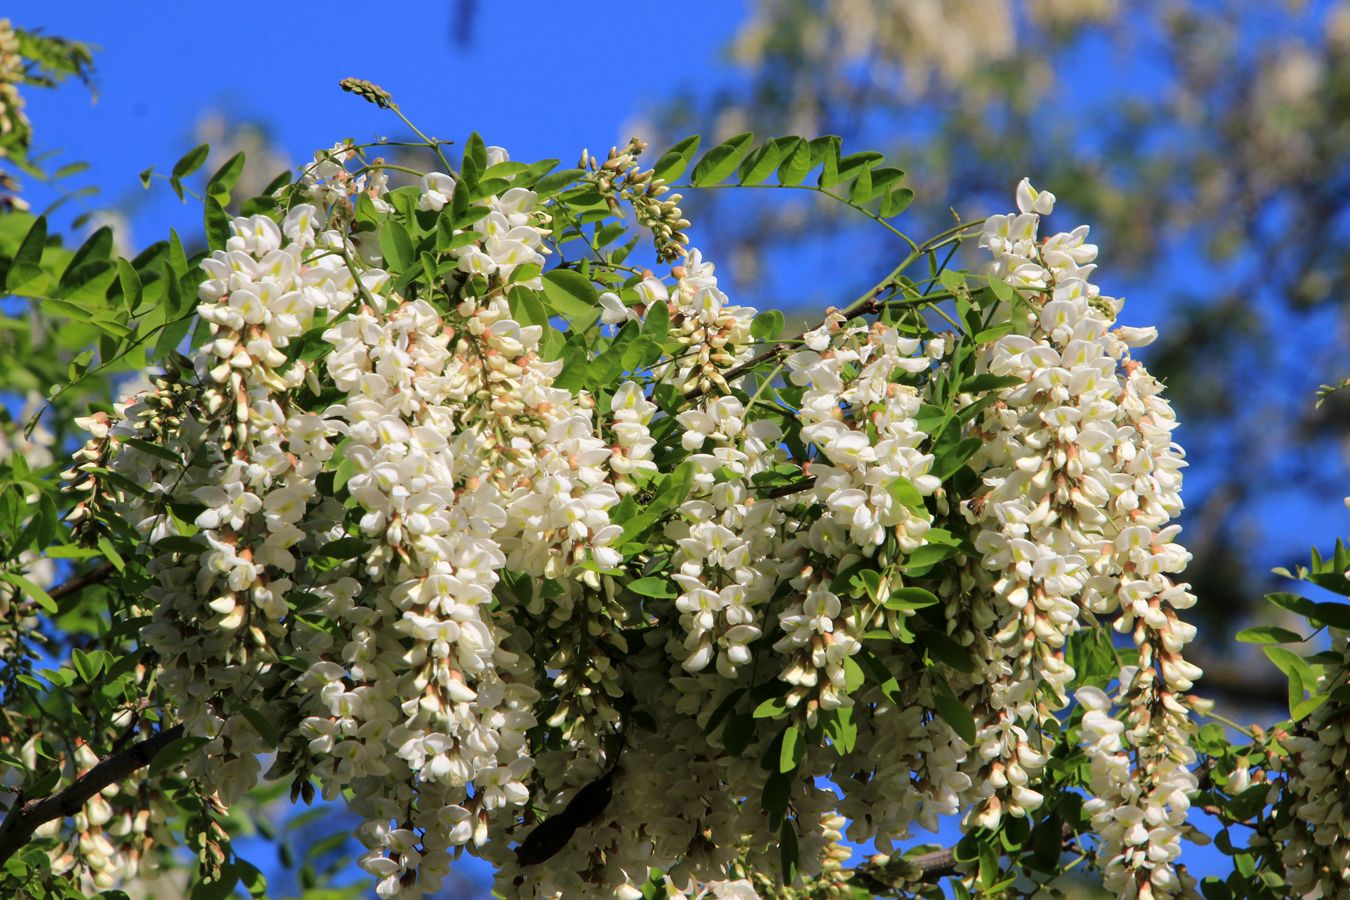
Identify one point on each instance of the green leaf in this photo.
(843, 733)
(674, 161)
(97, 248)
(946, 650)
(172, 333)
(223, 181)
(1337, 615)
(79, 365)
(1294, 603)
(952, 710)
(767, 326)
(572, 296)
(837, 169)
(396, 247)
(1268, 634)
(787, 851)
(191, 161)
(792, 750)
(737, 734)
(770, 709)
(928, 556)
(903, 492)
(723, 709)
(261, 724)
(981, 383)
(344, 548)
(527, 309)
(552, 183)
(130, 282)
(910, 598)
(656, 324)
(721, 161)
(853, 675)
(475, 155)
(29, 255)
(218, 889)
(952, 279)
(796, 163)
(875, 183)
(177, 255)
(1300, 674)
(896, 202)
(760, 164)
(174, 753)
(1248, 803)
(652, 586)
(87, 664)
(179, 543)
(110, 552)
(217, 223)
(948, 458)
(774, 798)
(825, 153)
(43, 785)
(153, 449)
(41, 597)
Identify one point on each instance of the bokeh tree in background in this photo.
(1208, 142)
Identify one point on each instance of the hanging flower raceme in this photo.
(539, 555)
(1081, 480)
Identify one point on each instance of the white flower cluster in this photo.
(906, 767)
(858, 411)
(249, 463)
(428, 529)
(459, 457)
(1139, 805)
(713, 332)
(679, 804)
(113, 834)
(1082, 479)
(631, 453)
(464, 460)
(864, 426)
(724, 538)
(235, 452)
(1316, 852)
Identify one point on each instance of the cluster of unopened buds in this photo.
(619, 178)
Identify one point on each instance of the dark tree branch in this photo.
(885, 875)
(904, 873)
(25, 818)
(934, 864)
(80, 582)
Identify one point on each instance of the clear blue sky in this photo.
(540, 77)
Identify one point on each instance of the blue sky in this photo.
(540, 77)
(544, 79)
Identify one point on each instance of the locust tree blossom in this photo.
(582, 567)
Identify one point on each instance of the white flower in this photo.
(437, 189)
(1030, 200)
(614, 311)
